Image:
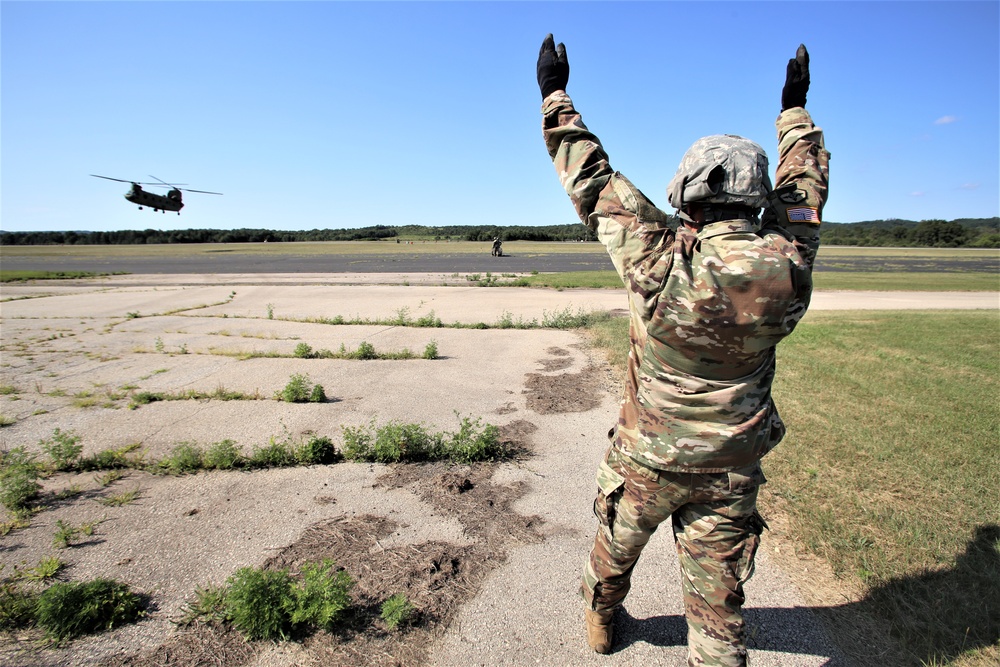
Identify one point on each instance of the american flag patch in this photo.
(803, 215)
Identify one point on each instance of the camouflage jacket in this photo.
(706, 308)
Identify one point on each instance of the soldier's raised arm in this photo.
(802, 178)
(631, 227)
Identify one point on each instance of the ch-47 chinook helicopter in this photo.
(169, 202)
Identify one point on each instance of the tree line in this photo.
(961, 233)
(374, 233)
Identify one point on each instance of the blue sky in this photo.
(337, 115)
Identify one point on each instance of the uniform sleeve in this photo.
(630, 226)
(801, 183)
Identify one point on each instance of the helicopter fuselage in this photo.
(170, 202)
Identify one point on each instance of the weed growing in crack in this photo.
(184, 458)
(431, 351)
(222, 455)
(120, 499)
(396, 442)
(66, 533)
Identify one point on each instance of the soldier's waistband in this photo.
(707, 370)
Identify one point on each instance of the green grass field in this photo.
(890, 471)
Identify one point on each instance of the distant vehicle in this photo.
(172, 201)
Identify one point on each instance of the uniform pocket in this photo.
(609, 491)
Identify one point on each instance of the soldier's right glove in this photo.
(796, 80)
(552, 68)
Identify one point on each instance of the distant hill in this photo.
(961, 233)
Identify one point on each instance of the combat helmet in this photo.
(722, 169)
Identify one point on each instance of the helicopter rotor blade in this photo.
(204, 192)
(120, 180)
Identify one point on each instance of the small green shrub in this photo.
(317, 450)
(397, 611)
(184, 458)
(258, 603)
(303, 351)
(62, 448)
(431, 351)
(19, 475)
(298, 389)
(322, 595)
(365, 351)
(474, 442)
(222, 455)
(317, 394)
(428, 321)
(67, 610)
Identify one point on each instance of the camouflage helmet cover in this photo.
(721, 169)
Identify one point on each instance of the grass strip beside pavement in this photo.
(890, 470)
(15, 275)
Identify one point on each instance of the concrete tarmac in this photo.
(65, 342)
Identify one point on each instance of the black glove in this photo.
(796, 80)
(553, 68)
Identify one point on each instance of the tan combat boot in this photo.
(600, 631)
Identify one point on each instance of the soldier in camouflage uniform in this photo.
(708, 303)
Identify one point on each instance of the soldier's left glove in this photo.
(552, 68)
(796, 80)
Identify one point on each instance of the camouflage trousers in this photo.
(716, 532)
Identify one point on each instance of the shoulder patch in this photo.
(793, 196)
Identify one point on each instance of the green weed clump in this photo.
(275, 454)
(304, 351)
(63, 448)
(317, 450)
(258, 602)
(222, 455)
(431, 351)
(68, 610)
(300, 389)
(184, 458)
(322, 596)
(113, 459)
(397, 611)
(396, 442)
(271, 605)
(19, 475)
(17, 605)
